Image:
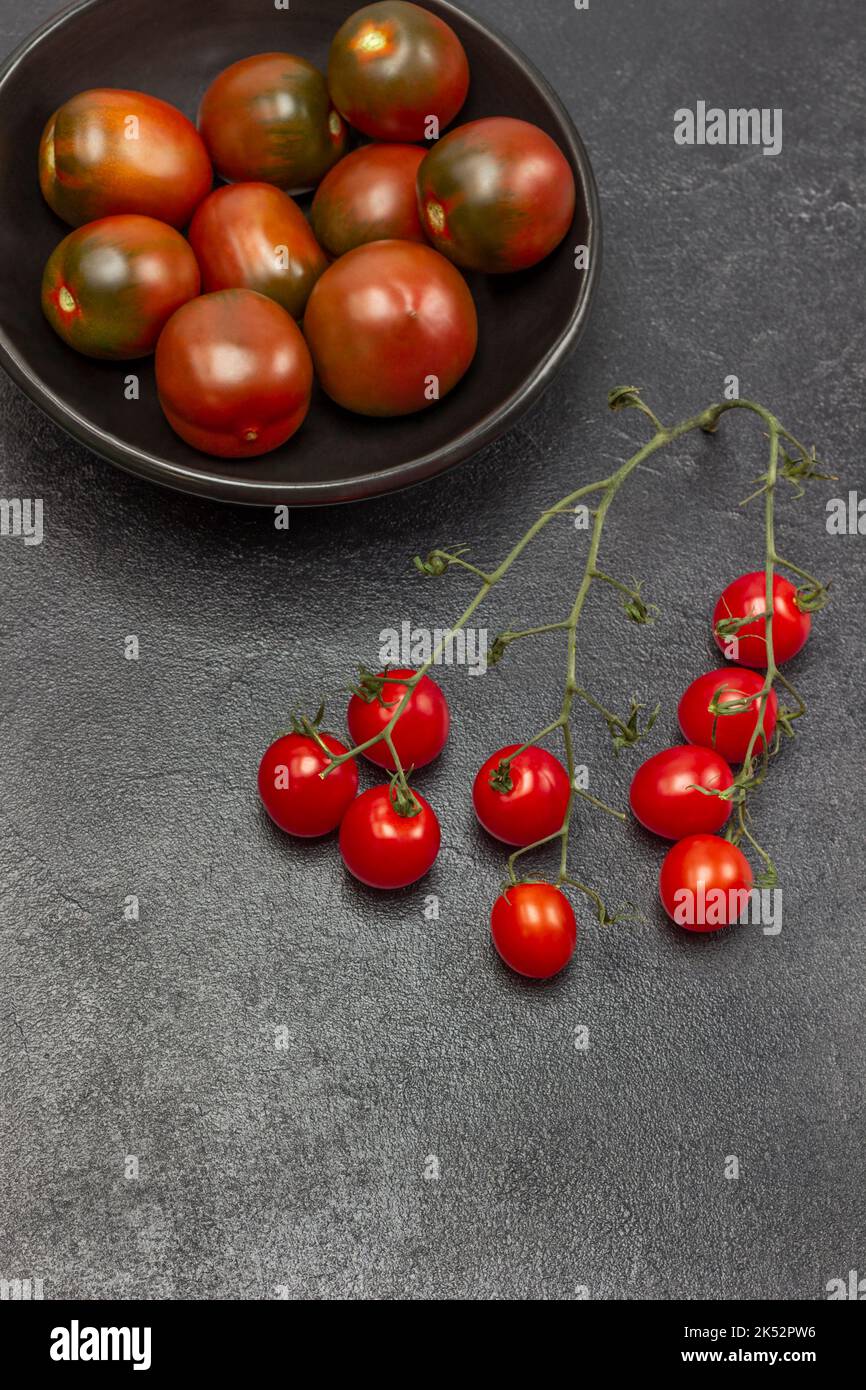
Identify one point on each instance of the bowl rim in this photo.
(199, 482)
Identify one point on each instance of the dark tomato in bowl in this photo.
(392, 328)
(394, 65)
(109, 288)
(369, 196)
(109, 151)
(233, 373)
(496, 195)
(252, 236)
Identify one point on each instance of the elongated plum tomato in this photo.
(109, 151)
(294, 794)
(703, 883)
(535, 806)
(745, 597)
(394, 65)
(252, 236)
(384, 849)
(233, 373)
(534, 930)
(392, 328)
(496, 195)
(420, 733)
(664, 792)
(728, 734)
(369, 196)
(269, 119)
(110, 287)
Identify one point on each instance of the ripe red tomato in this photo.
(109, 288)
(392, 328)
(394, 65)
(269, 119)
(728, 734)
(109, 151)
(663, 792)
(747, 596)
(536, 805)
(384, 849)
(496, 195)
(233, 373)
(420, 733)
(293, 793)
(252, 236)
(534, 930)
(702, 883)
(369, 196)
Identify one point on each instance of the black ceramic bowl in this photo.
(173, 49)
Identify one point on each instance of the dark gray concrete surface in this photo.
(301, 1170)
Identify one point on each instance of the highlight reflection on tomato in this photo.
(253, 236)
(369, 196)
(234, 374)
(393, 65)
(110, 287)
(109, 151)
(392, 328)
(496, 195)
(269, 119)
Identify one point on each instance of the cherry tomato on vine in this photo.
(747, 596)
(534, 929)
(703, 881)
(369, 196)
(664, 795)
(536, 805)
(383, 848)
(420, 733)
(728, 734)
(295, 796)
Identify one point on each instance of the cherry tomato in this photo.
(110, 287)
(420, 733)
(252, 236)
(496, 195)
(233, 373)
(393, 66)
(663, 792)
(269, 118)
(109, 151)
(293, 793)
(392, 328)
(536, 805)
(728, 734)
(534, 930)
(369, 196)
(384, 849)
(747, 596)
(702, 881)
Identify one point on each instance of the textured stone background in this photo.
(303, 1168)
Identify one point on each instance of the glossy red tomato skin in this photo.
(534, 930)
(293, 793)
(233, 373)
(420, 733)
(384, 849)
(394, 65)
(110, 287)
(384, 321)
(710, 861)
(746, 596)
(538, 801)
(496, 195)
(662, 796)
(269, 119)
(252, 236)
(369, 196)
(90, 168)
(728, 734)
